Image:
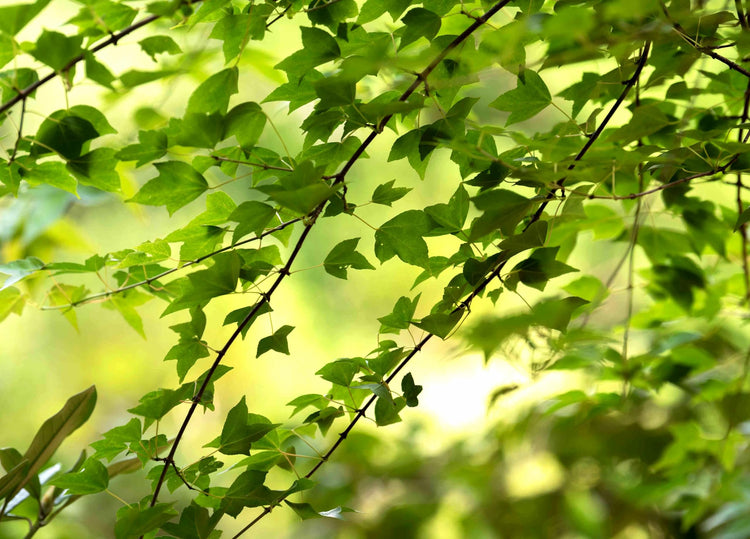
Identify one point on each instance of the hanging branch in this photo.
(309, 223)
(464, 305)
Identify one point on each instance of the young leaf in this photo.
(92, 479)
(386, 194)
(410, 390)
(439, 324)
(401, 317)
(176, 185)
(345, 256)
(402, 236)
(252, 216)
(530, 97)
(214, 93)
(276, 342)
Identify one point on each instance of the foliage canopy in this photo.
(585, 156)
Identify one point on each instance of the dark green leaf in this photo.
(410, 390)
(386, 194)
(214, 93)
(276, 342)
(345, 256)
(402, 236)
(530, 97)
(92, 479)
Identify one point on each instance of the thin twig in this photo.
(108, 293)
(700, 48)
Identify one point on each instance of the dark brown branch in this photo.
(461, 307)
(265, 298)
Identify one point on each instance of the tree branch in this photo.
(311, 219)
(705, 50)
(461, 307)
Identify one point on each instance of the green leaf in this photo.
(340, 372)
(56, 49)
(156, 404)
(51, 173)
(402, 236)
(252, 216)
(344, 256)
(386, 194)
(19, 269)
(319, 47)
(301, 190)
(247, 490)
(335, 91)
(64, 133)
(11, 301)
(246, 122)
(241, 429)
(10, 483)
(98, 72)
(401, 317)
(529, 98)
(503, 210)
(117, 439)
(556, 313)
(410, 390)
(97, 169)
(54, 430)
(154, 45)
(13, 18)
(151, 146)
(176, 185)
(439, 324)
(304, 511)
(218, 280)
(419, 22)
(538, 269)
(134, 77)
(134, 521)
(451, 216)
(214, 93)
(276, 342)
(92, 479)
(387, 409)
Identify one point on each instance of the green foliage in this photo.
(575, 207)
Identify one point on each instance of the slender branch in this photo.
(310, 222)
(461, 307)
(21, 95)
(632, 196)
(108, 293)
(251, 164)
(595, 136)
(700, 48)
(266, 298)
